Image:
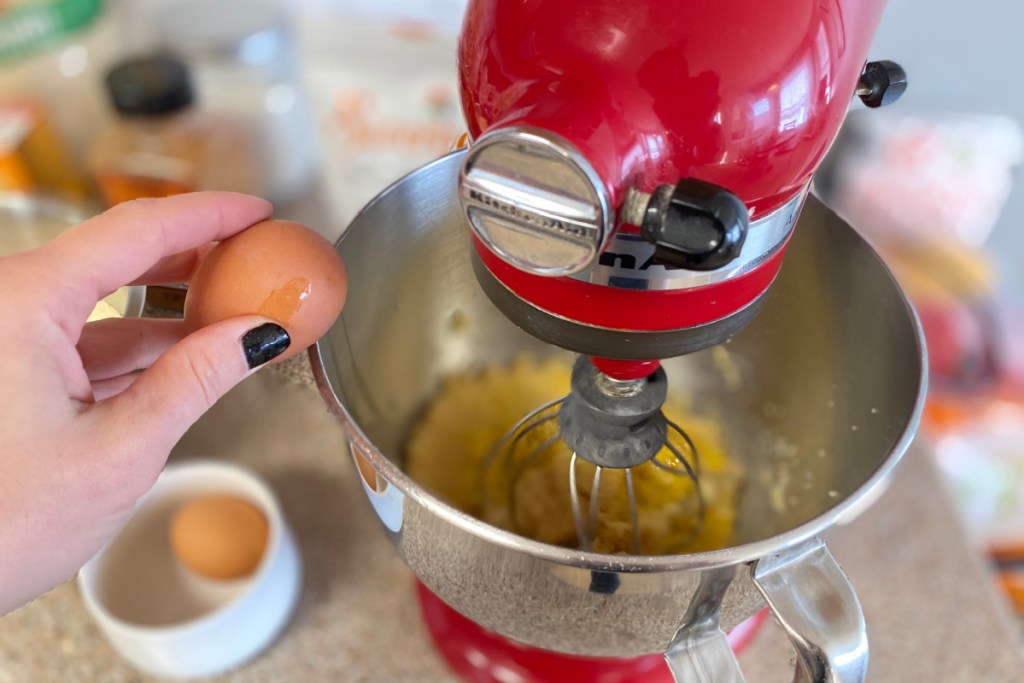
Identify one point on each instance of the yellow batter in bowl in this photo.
(449, 444)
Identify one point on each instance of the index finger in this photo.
(122, 244)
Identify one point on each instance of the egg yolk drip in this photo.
(447, 449)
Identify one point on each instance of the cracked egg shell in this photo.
(282, 270)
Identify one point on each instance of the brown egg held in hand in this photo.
(219, 537)
(282, 270)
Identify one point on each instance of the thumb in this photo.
(192, 375)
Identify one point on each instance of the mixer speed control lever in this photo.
(695, 225)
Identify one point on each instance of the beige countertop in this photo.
(930, 613)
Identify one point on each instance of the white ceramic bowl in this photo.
(168, 621)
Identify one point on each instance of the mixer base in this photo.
(477, 655)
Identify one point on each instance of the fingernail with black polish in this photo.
(264, 343)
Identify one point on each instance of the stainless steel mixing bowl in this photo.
(820, 397)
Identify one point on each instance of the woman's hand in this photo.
(83, 434)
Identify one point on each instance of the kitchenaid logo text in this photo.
(610, 259)
(633, 254)
(528, 217)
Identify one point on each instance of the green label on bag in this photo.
(29, 26)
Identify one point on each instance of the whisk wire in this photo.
(595, 490)
(512, 436)
(526, 430)
(690, 446)
(701, 504)
(634, 520)
(574, 499)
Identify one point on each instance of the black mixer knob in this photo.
(882, 83)
(695, 225)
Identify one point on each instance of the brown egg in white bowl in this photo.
(216, 607)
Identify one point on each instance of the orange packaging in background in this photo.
(32, 158)
(116, 187)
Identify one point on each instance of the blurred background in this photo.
(320, 104)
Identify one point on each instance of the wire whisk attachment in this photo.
(600, 469)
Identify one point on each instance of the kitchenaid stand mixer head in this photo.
(634, 176)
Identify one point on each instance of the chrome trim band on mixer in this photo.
(627, 261)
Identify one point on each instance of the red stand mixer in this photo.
(634, 174)
(633, 177)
